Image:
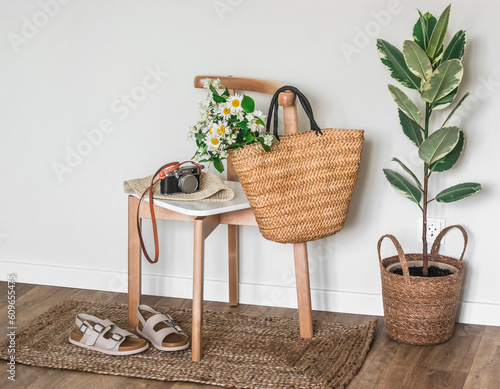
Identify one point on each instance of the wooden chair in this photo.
(207, 216)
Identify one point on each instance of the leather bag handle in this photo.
(161, 172)
(273, 110)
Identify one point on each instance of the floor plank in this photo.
(471, 359)
(485, 369)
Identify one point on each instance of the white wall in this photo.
(68, 75)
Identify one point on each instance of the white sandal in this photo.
(105, 336)
(160, 330)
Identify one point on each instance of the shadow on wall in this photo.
(356, 214)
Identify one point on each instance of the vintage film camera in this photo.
(185, 179)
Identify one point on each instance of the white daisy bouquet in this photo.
(227, 122)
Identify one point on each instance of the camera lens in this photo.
(188, 183)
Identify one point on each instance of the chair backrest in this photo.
(233, 84)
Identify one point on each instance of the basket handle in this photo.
(401, 255)
(273, 110)
(437, 242)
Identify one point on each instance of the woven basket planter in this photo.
(421, 310)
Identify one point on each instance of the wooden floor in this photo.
(471, 359)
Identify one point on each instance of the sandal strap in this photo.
(159, 336)
(82, 318)
(148, 325)
(126, 334)
(160, 317)
(112, 343)
(92, 334)
(144, 307)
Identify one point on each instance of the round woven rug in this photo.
(240, 351)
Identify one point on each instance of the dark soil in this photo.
(434, 271)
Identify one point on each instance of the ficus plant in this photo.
(435, 72)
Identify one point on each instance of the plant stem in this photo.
(425, 265)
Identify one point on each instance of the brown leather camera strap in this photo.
(161, 172)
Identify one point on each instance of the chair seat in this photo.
(206, 208)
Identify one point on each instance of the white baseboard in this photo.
(215, 290)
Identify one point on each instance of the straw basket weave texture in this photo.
(421, 310)
(300, 190)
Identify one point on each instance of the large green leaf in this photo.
(437, 38)
(456, 48)
(443, 81)
(445, 101)
(218, 165)
(455, 109)
(407, 170)
(447, 162)
(405, 104)
(247, 104)
(458, 192)
(439, 144)
(393, 60)
(410, 128)
(403, 186)
(417, 60)
(423, 28)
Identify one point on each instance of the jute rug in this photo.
(240, 351)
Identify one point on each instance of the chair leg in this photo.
(134, 264)
(203, 227)
(303, 289)
(199, 247)
(233, 265)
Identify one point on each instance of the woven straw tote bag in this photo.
(421, 310)
(301, 189)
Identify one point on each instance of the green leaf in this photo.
(405, 104)
(259, 121)
(249, 137)
(456, 48)
(214, 91)
(423, 28)
(410, 129)
(264, 146)
(247, 104)
(445, 101)
(416, 60)
(403, 186)
(218, 165)
(458, 192)
(437, 38)
(226, 93)
(219, 99)
(456, 108)
(447, 162)
(393, 60)
(443, 80)
(243, 126)
(407, 170)
(437, 59)
(439, 144)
